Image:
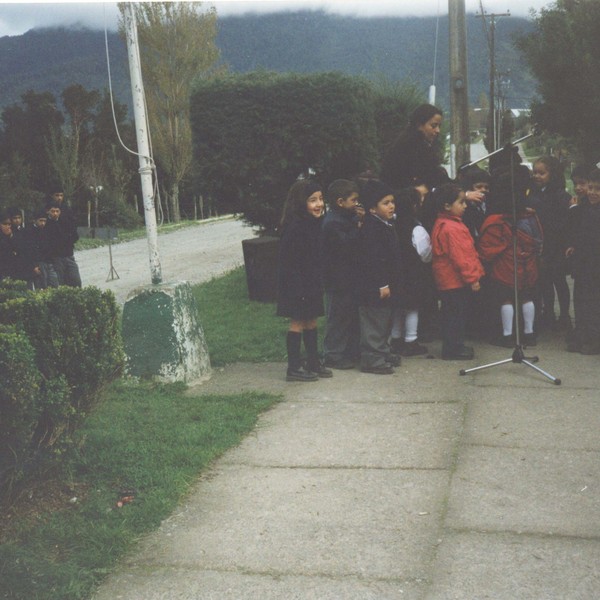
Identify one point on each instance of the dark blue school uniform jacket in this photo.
(380, 262)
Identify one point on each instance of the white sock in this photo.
(397, 324)
(528, 316)
(411, 325)
(507, 312)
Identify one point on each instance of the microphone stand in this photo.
(518, 355)
(510, 144)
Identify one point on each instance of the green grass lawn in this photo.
(237, 329)
(148, 437)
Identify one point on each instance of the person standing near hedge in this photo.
(380, 277)
(14, 261)
(339, 237)
(300, 294)
(61, 235)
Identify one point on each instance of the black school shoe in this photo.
(321, 371)
(465, 353)
(385, 369)
(343, 364)
(413, 349)
(300, 375)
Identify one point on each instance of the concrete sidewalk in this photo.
(420, 485)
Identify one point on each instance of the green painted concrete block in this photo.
(162, 334)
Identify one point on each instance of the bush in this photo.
(254, 134)
(19, 406)
(58, 348)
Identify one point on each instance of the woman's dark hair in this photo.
(556, 169)
(295, 203)
(421, 115)
(445, 194)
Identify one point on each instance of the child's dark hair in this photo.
(407, 200)
(472, 175)
(507, 186)
(445, 194)
(294, 208)
(594, 175)
(556, 170)
(580, 172)
(340, 188)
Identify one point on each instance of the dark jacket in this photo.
(36, 244)
(300, 294)
(380, 263)
(339, 238)
(14, 261)
(412, 159)
(417, 274)
(586, 242)
(61, 236)
(552, 209)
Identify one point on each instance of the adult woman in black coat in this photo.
(415, 156)
(300, 294)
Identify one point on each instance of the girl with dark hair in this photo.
(550, 200)
(300, 295)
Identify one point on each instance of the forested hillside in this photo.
(397, 48)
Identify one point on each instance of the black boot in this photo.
(313, 362)
(295, 372)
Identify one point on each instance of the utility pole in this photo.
(141, 129)
(459, 96)
(491, 134)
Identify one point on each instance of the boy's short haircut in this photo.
(594, 175)
(580, 172)
(14, 211)
(340, 188)
(445, 194)
(473, 175)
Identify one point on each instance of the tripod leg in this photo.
(554, 380)
(495, 364)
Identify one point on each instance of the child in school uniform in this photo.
(380, 278)
(300, 293)
(584, 251)
(415, 247)
(339, 237)
(496, 249)
(456, 269)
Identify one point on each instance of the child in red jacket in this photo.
(496, 247)
(456, 269)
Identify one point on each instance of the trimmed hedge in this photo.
(255, 133)
(58, 347)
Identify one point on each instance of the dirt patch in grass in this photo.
(37, 502)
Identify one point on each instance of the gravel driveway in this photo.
(195, 254)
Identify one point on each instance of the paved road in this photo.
(195, 254)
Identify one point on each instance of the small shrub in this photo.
(19, 404)
(58, 348)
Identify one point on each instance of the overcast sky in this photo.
(18, 17)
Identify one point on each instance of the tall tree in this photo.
(177, 45)
(26, 128)
(564, 55)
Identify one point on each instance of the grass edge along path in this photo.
(151, 439)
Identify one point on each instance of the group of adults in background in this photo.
(401, 258)
(40, 250)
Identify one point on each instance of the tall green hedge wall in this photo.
(255, 133)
